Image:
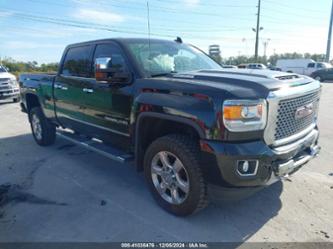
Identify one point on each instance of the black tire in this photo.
(16, 100)
(187, 151)
(47, 134)
(319, 78)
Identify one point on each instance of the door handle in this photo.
(88, 90)
(61, 87)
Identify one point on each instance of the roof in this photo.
(119, 40)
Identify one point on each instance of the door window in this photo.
(311, 65)
(77, 62)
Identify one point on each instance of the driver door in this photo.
(107, 106)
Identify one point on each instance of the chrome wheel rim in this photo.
(36, 127)
(170, 177)
(318, 78)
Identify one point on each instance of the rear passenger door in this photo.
(75, 75)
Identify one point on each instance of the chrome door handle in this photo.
(88, 90)
(61, 87)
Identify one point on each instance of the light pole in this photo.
(265, 43)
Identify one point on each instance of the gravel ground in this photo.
(66, 193)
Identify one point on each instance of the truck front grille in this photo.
(5, 87)
(287, 124)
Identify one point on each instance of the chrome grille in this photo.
(4, 87)
(287, 124)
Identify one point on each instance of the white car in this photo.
(256, 66)
(9, 88)
(301, 66)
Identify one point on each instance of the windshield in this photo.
(324, 65)
(2, 69)
(166, 57)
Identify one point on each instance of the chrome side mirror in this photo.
(101, 68)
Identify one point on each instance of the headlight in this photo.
(244, 115)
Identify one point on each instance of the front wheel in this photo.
(43, 131)
(173, 174)
(319, 78)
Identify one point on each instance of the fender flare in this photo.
(182, 120)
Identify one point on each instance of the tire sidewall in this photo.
(190, 164)
(46, 128)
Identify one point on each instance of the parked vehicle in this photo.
(9, 88)
(301, 66)
(228, 66)
(191, 126)
(242, 66)
(256, 66)
(322, 75)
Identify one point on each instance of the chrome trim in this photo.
(273, 99)
(311, 138)
(100, 127)
(295, 136)
(255, 170)
(285, 168)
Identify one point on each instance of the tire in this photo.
(43, 131)
(176, 148)
(16, 100)
(319, 78)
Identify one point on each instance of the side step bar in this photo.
(96, 146)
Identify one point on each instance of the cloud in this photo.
(97, 16)
(5, 13)
(192, 3)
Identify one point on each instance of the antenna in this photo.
(148, 23)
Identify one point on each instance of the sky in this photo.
(39, 30)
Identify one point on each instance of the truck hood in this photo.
(264, 80)
(7, 76)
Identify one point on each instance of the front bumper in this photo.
(272, 163)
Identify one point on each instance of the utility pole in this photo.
(329, 39)
(258, 29)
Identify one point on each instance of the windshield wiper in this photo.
(163, 74)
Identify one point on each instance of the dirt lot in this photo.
(65, 193)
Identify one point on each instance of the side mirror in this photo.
(108, 72)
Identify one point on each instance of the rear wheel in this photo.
(16, 100)
(174, 176)
(43, 131)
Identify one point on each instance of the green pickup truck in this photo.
(189, 124)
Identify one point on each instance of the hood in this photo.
(262, 79)
(7, 76)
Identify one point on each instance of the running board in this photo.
(96, 146)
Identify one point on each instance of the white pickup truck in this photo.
(9, 88)
(301, 66)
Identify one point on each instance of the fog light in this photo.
(247, 167)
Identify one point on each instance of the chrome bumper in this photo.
(286, 168)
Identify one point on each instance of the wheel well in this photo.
(32, 101)
(151, 128)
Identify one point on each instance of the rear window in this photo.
(77, 62)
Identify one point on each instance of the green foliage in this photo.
(17, 67)
(272, 59)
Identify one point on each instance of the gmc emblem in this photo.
(304, 111)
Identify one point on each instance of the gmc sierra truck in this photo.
(188, 124)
